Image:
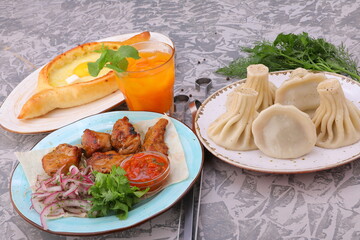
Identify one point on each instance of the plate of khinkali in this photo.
(293, 121)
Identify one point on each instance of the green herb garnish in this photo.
(112, 194)
(290, 51)
(115, 60)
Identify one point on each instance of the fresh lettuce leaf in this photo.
(112, 194)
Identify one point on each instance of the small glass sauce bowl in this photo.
(147, 170)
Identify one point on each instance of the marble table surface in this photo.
(234, 203)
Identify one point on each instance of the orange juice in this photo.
(148, 84)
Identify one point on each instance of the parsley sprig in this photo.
(290, 51)
(112, 194)
(115, 60)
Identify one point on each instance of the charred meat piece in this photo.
(104, 161)
(155, 138)
(63, 155)
(93, 141)
(124, 138)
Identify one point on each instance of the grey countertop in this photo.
(235, 203)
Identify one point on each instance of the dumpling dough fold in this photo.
(232, 130)
(283, 131)
(337, 120)
(300, 90)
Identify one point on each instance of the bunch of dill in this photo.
(290, 51)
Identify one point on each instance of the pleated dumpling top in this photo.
(337, 120)
(258, 79)
(300, 90)
(232, 130)
(299, 72)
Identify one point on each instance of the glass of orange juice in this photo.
(148, 83)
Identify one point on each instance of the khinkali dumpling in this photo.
(337, 120)
(300, 90)
(258, 79)
(232, 130)
(283, 131)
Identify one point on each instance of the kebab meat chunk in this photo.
(104, 161)
(63, 156)
(155, 138)
(93, 141)
(124, 138)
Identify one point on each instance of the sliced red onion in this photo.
(72, 195)
(52, 198)
(50, 211)
(73, 170)
(71, 189)
(63, 194)
(52, 188)
(41, 195)
(74, 210)
(37, 205)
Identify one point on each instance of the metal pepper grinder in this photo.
(203, 86)
(180, 106)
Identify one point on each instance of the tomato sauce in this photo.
(147, 169)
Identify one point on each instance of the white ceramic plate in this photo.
(20, 190)
(59, 117)
(318, 159)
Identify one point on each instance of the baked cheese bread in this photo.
(65, 82)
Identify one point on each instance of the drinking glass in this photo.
(148, 83)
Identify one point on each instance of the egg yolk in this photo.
(81, 70)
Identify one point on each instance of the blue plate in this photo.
(20, 189)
